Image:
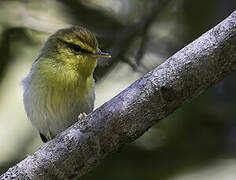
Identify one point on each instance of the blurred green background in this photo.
(197, 142)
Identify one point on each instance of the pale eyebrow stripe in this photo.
(69, 44)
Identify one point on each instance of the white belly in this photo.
(50, 112)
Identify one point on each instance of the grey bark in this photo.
(127, 116)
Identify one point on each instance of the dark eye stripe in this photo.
(75, 47)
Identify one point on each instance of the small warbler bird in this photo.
(60, 84)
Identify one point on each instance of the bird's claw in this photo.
(82, 115)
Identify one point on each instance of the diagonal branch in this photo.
(123, 119)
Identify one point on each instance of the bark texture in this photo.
(127, 116)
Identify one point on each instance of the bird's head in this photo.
(75, 47)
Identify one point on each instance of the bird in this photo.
(60, 85)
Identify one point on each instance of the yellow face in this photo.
(75, 48)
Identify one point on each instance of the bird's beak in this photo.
(101, 54)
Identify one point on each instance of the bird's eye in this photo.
(75, 47)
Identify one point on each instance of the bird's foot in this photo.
(82, 115)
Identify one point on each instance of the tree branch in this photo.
(123, 119)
